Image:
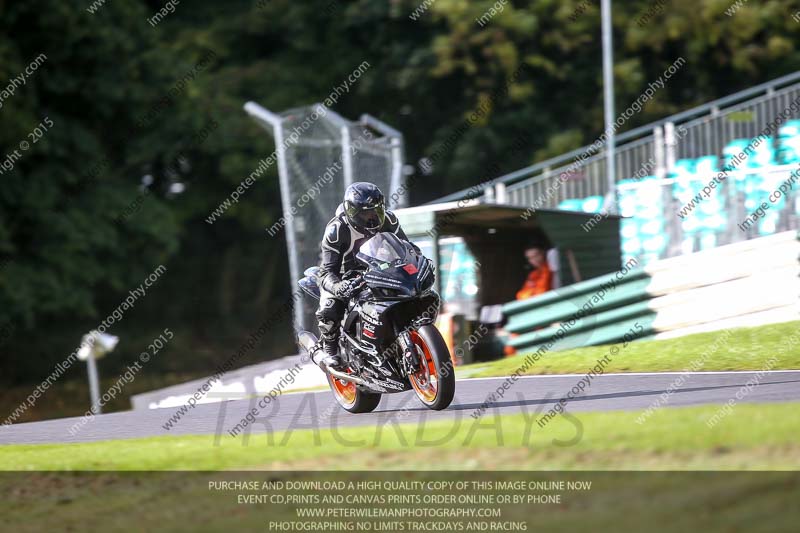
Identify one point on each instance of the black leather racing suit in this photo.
(338, 250)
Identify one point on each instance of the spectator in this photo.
(540, 280)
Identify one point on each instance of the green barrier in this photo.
(582, 325)
(608, 309)
(635, 328)
(601, 310)
(589, 286)
(628, 291)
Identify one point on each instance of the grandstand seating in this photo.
(648, 203)
(747, 283)
(692, 145)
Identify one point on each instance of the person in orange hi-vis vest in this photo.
(540, 280)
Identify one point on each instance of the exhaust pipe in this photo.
(346, 377)
(307, 341)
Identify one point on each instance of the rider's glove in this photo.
(346, 288)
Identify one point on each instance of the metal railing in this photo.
(703, 130)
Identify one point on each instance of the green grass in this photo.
(619, 501)
(70, 397)
(743, 349)
(746, 349)
(751, 437)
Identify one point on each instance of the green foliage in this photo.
(58, 204)
(67, 259)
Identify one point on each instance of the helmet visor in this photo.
(370, 218)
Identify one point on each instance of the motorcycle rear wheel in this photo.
(435, 381)
(351, 398)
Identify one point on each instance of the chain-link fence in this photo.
(319, 154)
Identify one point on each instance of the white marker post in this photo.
(94, 346)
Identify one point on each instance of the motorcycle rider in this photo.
(360, 216)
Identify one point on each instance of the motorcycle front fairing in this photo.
(400, 296)
(395, 299)
(395, 269)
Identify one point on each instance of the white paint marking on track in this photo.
(610, 374)
(670, 373)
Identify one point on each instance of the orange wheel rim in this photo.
(344, 390)
(425, 380)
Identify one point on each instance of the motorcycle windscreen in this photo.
(383, 250)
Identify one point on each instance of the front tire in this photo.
(435, 381)
(351, 398)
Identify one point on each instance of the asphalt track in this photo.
(531, 396)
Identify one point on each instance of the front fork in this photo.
(410, 357)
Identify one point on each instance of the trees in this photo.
(128, 100)
(59, 203)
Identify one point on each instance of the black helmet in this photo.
(364, 206)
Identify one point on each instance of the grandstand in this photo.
(665, 171)
(706, 204)
(707, 178)
(749, 283)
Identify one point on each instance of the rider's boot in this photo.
(330, 356)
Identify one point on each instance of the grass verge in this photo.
(744, 349)
(741, 349)
(751, 437)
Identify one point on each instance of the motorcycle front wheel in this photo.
(435, 381)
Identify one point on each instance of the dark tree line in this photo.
(123, 181)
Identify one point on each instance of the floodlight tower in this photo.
(608, 92)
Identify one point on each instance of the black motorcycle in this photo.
(388, 341)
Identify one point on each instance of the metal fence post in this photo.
(347, 158)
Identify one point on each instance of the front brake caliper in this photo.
(410, 357)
